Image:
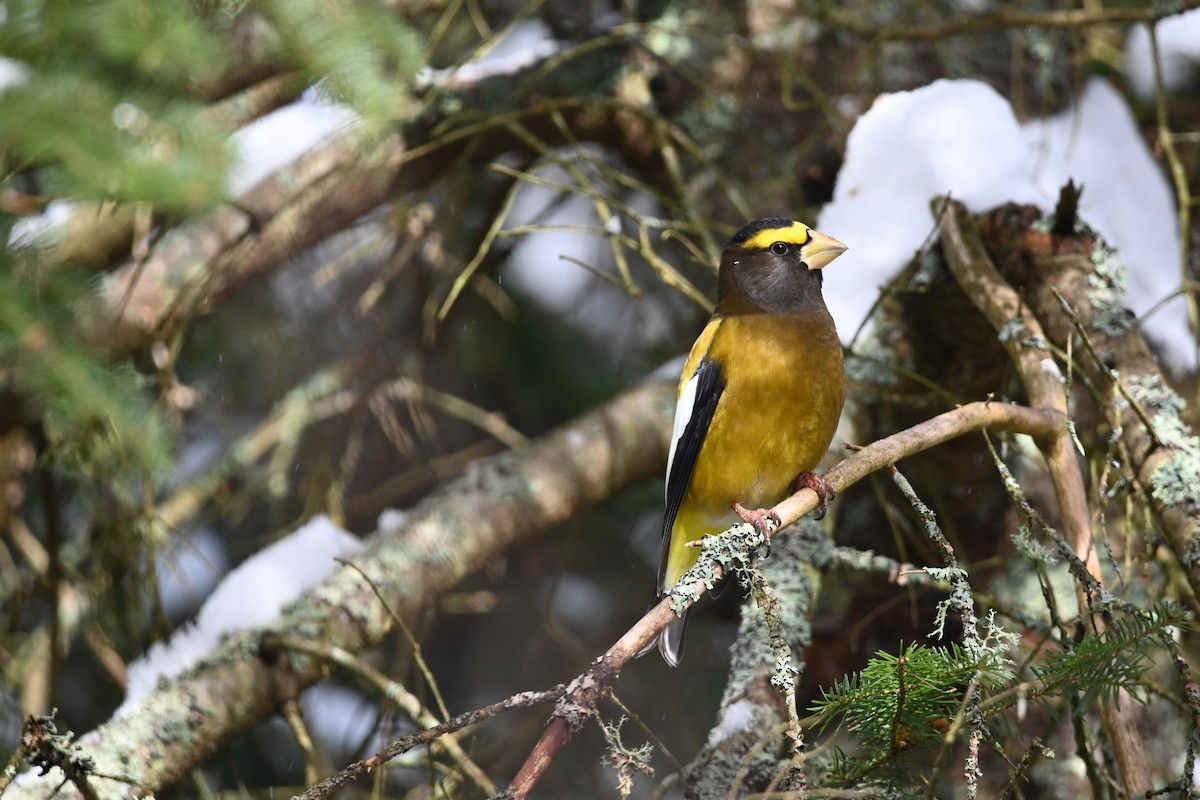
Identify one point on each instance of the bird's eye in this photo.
(780, 248)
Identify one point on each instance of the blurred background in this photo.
(269, 260)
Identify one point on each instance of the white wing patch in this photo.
(684, 409)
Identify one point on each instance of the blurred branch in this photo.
(452, 533)
(490, 422)
(405, 700)
(1183, 192)
(258, 100)
(195, 267)
(1007, 17)
(401, 746)
(320, 397)
(98, 233)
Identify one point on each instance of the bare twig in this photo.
(401, 746)
(1183, 192)
(404, 699)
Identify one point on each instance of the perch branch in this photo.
(1027, 346)
(583, 692)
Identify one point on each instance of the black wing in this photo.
(709, 383)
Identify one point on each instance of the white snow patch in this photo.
(962, 138)
(391, 519)
(951, 136)
(1179, 48)
(27, 231)
(1049, 365)
(738, 718)
(527, 44)
(250, 596)
(12, 72)
(1126, 197)
(279, 138)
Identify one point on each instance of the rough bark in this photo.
(500, 500)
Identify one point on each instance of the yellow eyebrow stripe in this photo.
(797, 233)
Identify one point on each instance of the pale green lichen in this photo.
(931, 268)
(874, 360)
(1106, 282)
(1013, 327)
(1106, 290)
(668, 37)
(1036, 342)
(1165, 407)
(791, 573)
(1176, 481)
(720, 557)
(1043, 225)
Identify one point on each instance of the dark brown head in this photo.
(773, 266)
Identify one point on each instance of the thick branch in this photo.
(1028, 348)
(193, 269)
(1080, 272)
(196, 266)
(454, 532)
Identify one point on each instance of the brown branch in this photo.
(97, 234)
(401, 746)
(1065, 287)
(197, 265)
(583, 693)
(1007, 18)
(454, 532)
(256, 101)
(1028, 348)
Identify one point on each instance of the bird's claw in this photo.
(825, 490)
(760, 518)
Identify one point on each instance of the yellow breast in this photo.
(784, 388)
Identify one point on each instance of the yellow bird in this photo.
(759, 398)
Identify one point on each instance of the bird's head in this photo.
(774, 266)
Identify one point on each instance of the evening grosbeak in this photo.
(759, 398)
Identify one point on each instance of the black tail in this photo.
(670, 641)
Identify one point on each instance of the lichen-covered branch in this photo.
(1089, 278)
(740, 542)
(1027, 346)
(499, 501)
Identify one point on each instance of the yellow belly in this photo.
(784, 388)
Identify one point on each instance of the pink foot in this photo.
(824, 489)
(758, 517)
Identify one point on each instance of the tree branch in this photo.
(1075, 285)
(583, 692)
(452, 533)
(1009, 18)
(1028, 348)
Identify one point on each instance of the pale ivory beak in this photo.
(820, 250)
